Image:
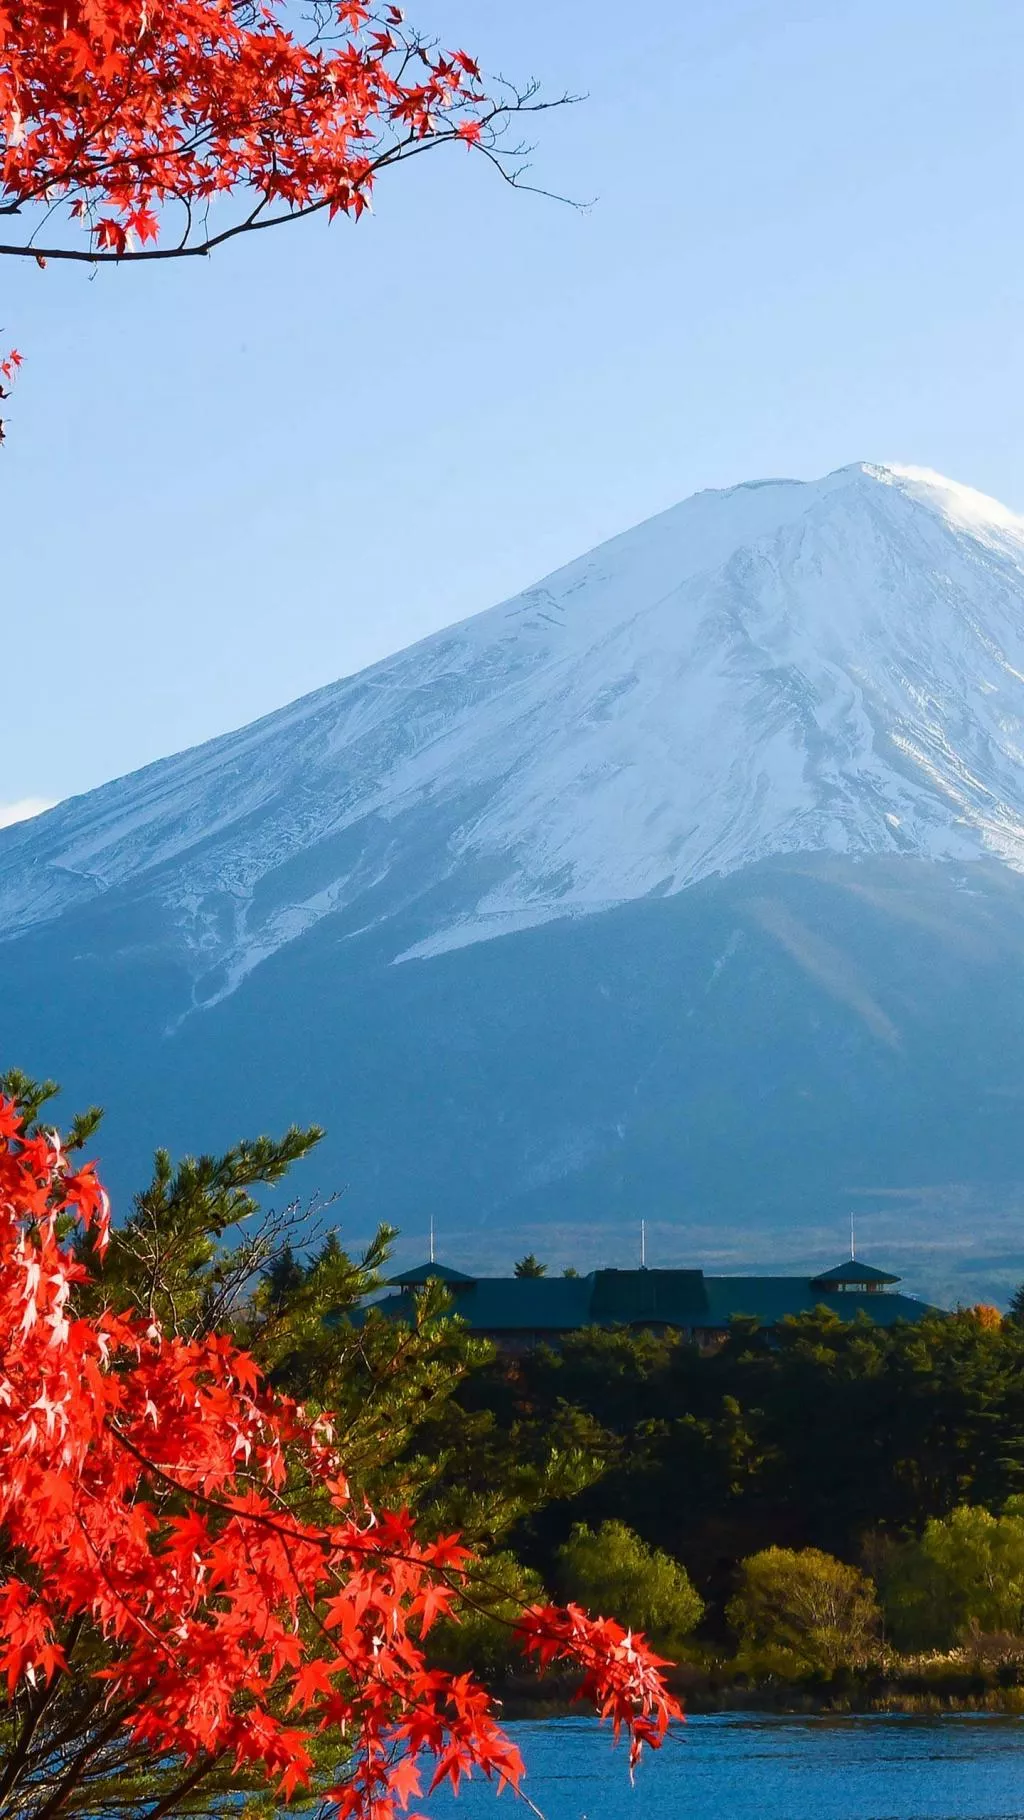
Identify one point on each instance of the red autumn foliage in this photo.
(157, 129)
(9, 365)
(214, 117)
(156, 1490)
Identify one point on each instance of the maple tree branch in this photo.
(55, 1742)
(522, 102)
(170, 1801)
(136, 1618)
(33, 1718)
(202, 250)
(70, 1781)
(211, 1503)
(115, 1758)
(457, 1583)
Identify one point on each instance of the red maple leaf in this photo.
(202, 1608)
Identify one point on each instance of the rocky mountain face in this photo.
(688, 884)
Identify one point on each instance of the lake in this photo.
(752, 1767)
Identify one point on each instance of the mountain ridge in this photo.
(712, 687)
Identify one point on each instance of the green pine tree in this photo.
(530, 1267)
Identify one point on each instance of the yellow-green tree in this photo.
(798, 1610)
(613, 1571)
(966, 1573)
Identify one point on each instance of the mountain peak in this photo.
(961, 506)
(778, 667)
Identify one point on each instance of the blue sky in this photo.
(228, 483)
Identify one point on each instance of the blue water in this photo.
(765, 1768)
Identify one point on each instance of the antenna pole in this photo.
(432, 1238)
(643, 1244)
(853, 1241)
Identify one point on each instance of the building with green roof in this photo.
(520, 1312)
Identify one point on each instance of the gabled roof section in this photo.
(852, 1271)
(429, 1273)
(674, 1298)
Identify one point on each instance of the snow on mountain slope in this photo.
(777, 667)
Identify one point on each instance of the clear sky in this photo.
(227, 483)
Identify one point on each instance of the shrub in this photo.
(965, 1575)
(799, 1610)
(612, 1570)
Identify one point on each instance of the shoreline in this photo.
(958, 1689)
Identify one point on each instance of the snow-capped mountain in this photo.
(779, 667)
(743, 792)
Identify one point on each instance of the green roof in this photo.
(773, 1299)
(852, 1271)
(529, 1307)
(525, 1304)
(429, 1273)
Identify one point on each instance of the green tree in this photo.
(816, 1435)
(612, 1571)
(800, 1610)
(966, 1573)
(198, 1238)
(530, 1267)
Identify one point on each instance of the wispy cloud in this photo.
(24, 810)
